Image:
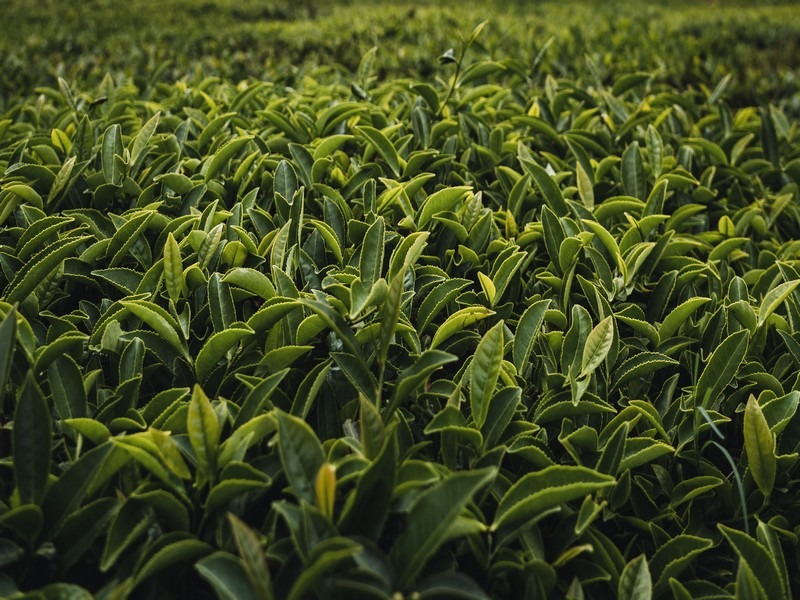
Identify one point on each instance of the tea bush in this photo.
(513, 315)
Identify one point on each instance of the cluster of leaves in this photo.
(477, 338)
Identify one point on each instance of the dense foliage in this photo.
(440, 319)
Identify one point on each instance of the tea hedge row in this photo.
(470, 338)
(683, 43)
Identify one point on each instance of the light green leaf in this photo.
(774, 298)
(173, 269)
(633, 177)
(679, 315)
(525, 334)
(598, 343)
(204, 431)
(759, 444)
(458, 321)
(485, 371)
(370, 264)
(222, 156)
(384, 147)
(443, 200)
(635, 582)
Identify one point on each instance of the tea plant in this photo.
(490, 334)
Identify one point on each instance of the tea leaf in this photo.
(721, 368)
(430, 517)
(484, 372)
(204, 431)
(301, 455)
(597, 346)
(32, 438)
(759, 445)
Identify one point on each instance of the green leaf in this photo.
(217, 346)
(458, 321)
(534, 494)
(39, 268)
(443, 200)
(204, 432)
(639, 365)
(8, 342)
(127, 235)
(221, 496)
(301, 455)
(502, 407)
(252, 554)
(759, 444)
(429, 519)
(222, 156)
(142, 139)
(390, 315)
(111, 149)
(366, 510)
(678, 316)
(672, 557)
(333, 320)
(170, 555)
(384, 147)
(635, 582)
(358, 373)
(437, 299)
(228, 576)
(758, 560)
(585, 186)
(173, 269)
(25, 521)
(774, 298)
(411, 378)
(633, 177)
(66, 494)
(325, 557)
(598, 343)
(525, 334)
(161, 321)
(66, 385)
(330, 237)
(546, 186)
(220, 303)
(129, 524)
(721, 368)
(485, 371)
(370, 264)
(252, 280)
(32, 437)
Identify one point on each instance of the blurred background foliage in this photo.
(145, 41)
